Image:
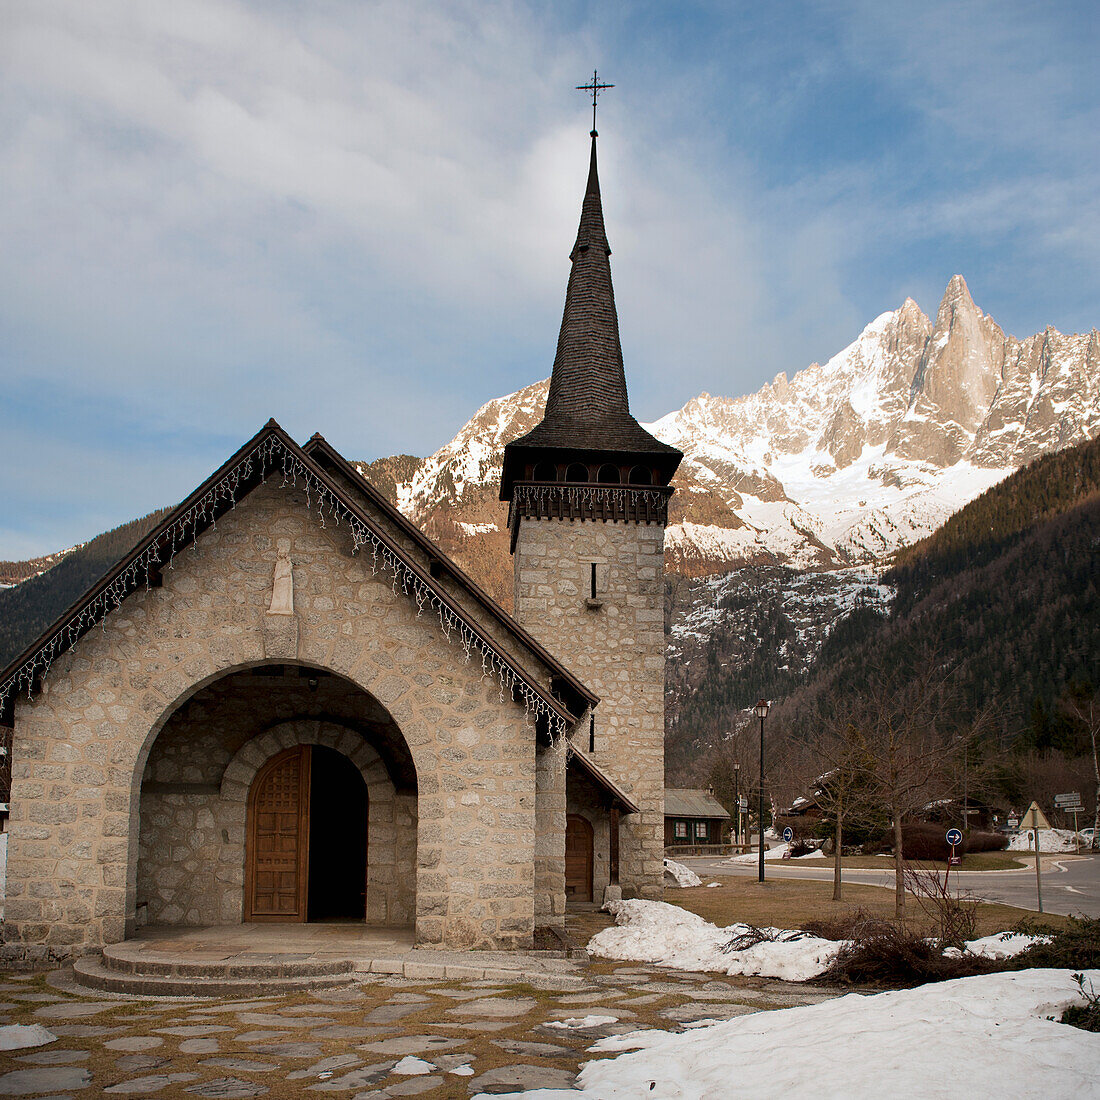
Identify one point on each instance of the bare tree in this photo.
(834, 771)
(1086, 711)
(909, 744)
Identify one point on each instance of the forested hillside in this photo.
(1006, 592)
(27, 609)
(997, 519)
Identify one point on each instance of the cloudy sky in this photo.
(356, 216)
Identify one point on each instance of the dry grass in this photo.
(792, 903)
(977, 861)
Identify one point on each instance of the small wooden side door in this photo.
(578, 858)
(277, 856)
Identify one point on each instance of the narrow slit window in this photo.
(593, 580)
(591, 733)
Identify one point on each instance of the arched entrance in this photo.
(260, 799)
(578, 858)
(306, 849)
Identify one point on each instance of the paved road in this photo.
(1071, 884)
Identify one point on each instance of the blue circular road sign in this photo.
(788, 834)
(954, 837)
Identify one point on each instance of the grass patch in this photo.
(976, 861)
(795, 903)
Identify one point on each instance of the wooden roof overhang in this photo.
(615, 795)
(272, 451)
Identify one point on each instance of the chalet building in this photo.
(694, 818)
(285, 704)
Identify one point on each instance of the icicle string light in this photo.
(272, 454)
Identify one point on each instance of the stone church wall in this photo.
(550, 838)
(81, 745)
(617, 649)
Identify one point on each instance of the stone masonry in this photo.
(82, 744)
(616, 648)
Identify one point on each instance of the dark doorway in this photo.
(337, 838)
(578, 858)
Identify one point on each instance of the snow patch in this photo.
(656, 932)
(411, 1066)
(683, 876)
(577, 1023)
(1003, 945)
(1050, 840)
(774, 853)
(985, 1037)
(21, 1036)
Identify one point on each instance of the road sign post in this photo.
(1035, 820)
(954, 837)
(1070, 803)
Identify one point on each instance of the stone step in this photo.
(91, 973)
(127, 958)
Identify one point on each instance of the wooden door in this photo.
(578, 858)
(277, 855)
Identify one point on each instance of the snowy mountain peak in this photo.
(841, 463)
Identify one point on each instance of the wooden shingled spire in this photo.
(587, 417)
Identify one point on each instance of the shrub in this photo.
(976, 841)
(921, 840)
(954, 917)
(1074, 947)
(1086, 1016)
(890, 954)
(753, 935)
(856, 924)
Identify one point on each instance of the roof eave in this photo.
(614, 792)
(318, 444)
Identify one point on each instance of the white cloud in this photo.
(356, 217)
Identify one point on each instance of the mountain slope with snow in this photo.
(839, 466)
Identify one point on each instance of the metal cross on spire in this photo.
(595, 87)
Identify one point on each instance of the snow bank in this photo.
(1003, 945)
(985, 1037)
(1050, 840)
(774, 853)
(21, 1036)
(684, 876)
(655, 932)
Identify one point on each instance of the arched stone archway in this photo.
(192, 838)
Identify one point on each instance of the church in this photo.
(285, 704)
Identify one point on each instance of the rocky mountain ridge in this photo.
(838, 466)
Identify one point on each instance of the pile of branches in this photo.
(753, 935)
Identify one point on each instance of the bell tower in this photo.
(588, 492)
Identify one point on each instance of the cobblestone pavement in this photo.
(385, 1037)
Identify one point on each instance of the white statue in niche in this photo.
(282, 588)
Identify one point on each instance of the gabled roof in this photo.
(690, 802)
(319, 468)
(587, 409)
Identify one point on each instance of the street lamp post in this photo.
(761, 712)
(737, 800)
